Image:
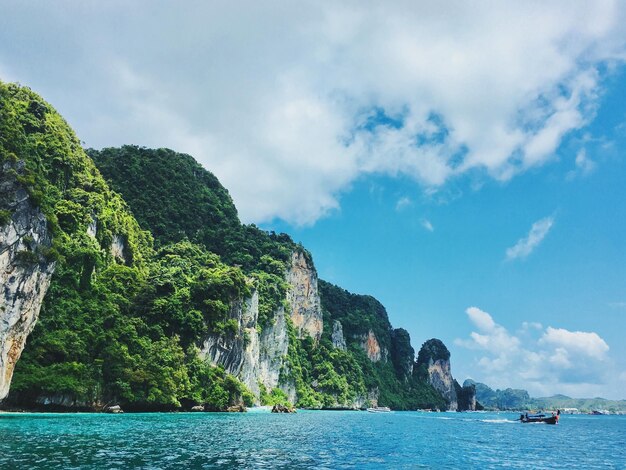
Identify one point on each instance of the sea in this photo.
(308, 440)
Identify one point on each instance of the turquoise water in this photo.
(309, 440)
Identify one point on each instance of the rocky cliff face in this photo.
(306, 314)
(24, 271)
(337, 337)
(441, 378)
(466, 396)
(252, 357)
(372, 348)
(436, 358)
(258, 358)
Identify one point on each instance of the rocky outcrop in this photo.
(441, 378)
(259, 357)
(254, 358)
(466, 396)
(62, 401)
(239, 408)
(278, 408)
(24, 270)
(337, 337)
(114, 409)
(436, 358)
(118, 248)
(303, 296)
(372, 347)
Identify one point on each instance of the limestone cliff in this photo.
(258, 358)
(252, 357)
(24, 271)
(337, 337)
(303, 296)
(466, 396)
(370, 344)
(435, 357)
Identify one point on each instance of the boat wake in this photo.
(498, 421)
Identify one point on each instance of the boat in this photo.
(540, 418)
(379, 409)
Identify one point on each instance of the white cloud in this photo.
(543, 361)
(589, 344)
(427, 225)
(531, 325)
(584, 165)
(290, 103)
(403, 203)
(526, 245)
(481, 319)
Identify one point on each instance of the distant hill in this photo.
(582, 404)
(517, 399)
(509, 399)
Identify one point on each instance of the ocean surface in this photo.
(308, 439)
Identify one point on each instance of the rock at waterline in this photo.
(236, 409)
(113, 409)
(283, 409)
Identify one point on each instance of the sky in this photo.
(463, 162)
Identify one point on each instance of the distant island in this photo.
(518, 399)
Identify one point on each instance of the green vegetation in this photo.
(518, 399)
(115, 326)
(175, 198)
(583, 405)
(359, 314)
(324, 377)
(275, 397)
(433, 350)
(5, 216)
(509, 399)
(149, 269)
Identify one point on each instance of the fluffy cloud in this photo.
(588, 344)
(543, 361)
(526, 245)
(289, 103)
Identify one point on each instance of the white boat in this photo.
(379, 409)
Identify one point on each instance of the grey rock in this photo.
(337, 337)
(303, 296)
(24, 272)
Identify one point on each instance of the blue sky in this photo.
(462, 163)
(430, 258)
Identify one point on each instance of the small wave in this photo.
(497, 421)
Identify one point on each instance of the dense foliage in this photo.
(133, 299)
(359, 314)
(175, 198)
(431, 351)
(508, 399)
(116, 325)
